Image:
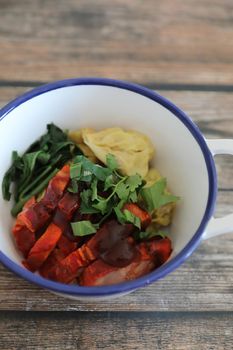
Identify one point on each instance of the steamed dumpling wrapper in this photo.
(77, 137)
(132, 150)
(163, 215)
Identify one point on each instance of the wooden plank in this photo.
(204, 282)
(171, 41)
(158, 331)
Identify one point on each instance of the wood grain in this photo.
(169, 41)
(204, 282)
(157, 331)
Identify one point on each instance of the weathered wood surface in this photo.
(135, 331)
(204, 282)
(169, 41)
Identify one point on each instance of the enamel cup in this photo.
(182, 155)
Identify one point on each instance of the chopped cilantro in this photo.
(131, 218)
(155, 196)
(145, 235)
(83, 228)
(111, 162)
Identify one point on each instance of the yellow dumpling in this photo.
(77, 137)
(132, 149)
(163, 215)
(152, 176)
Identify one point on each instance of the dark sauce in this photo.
(121, 254)
(113, 244)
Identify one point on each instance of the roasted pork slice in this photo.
(68, 204)
(56, 188)
(100, 274)
(29, 203)
(151, 254)
(104, 239)
(43, 247)
(36, 215)
(24, 238)
(64, 247)
(143, 215)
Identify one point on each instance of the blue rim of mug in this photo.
(75, 290)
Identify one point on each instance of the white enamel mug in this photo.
(182, 155)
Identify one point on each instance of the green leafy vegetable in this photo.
(74, 186)
(85, 170)
(75, 171)
(111, 162)
(18, 205)
(133, 197)
(155, 196)
(131, 218)
(86, 196)
(126, 216)
(122, 191)
(32, 171)
(120, 215)
(83, 228)
(101, 206)
(145, 235)
(105, 189)
(109, 182)
(134, 181)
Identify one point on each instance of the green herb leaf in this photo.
(134, 181)
(145, 235)
(74, 186)
(102, 206)
(133, 197)
(127, 217)
(83, 228)
(122, 190)
(86, 196)
(155, 197)
(86, 176)
(75, 171)
(84, 209)
(89, 169)
(100, 172)
(111, 162)
(131, 218)
(109, 182)
(94, 190)
(120, 215)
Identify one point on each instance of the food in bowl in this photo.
(89, 209)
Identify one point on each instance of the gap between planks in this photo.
(151, 85)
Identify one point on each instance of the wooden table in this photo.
(184, 50)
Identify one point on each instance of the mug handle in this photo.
(222, 225)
